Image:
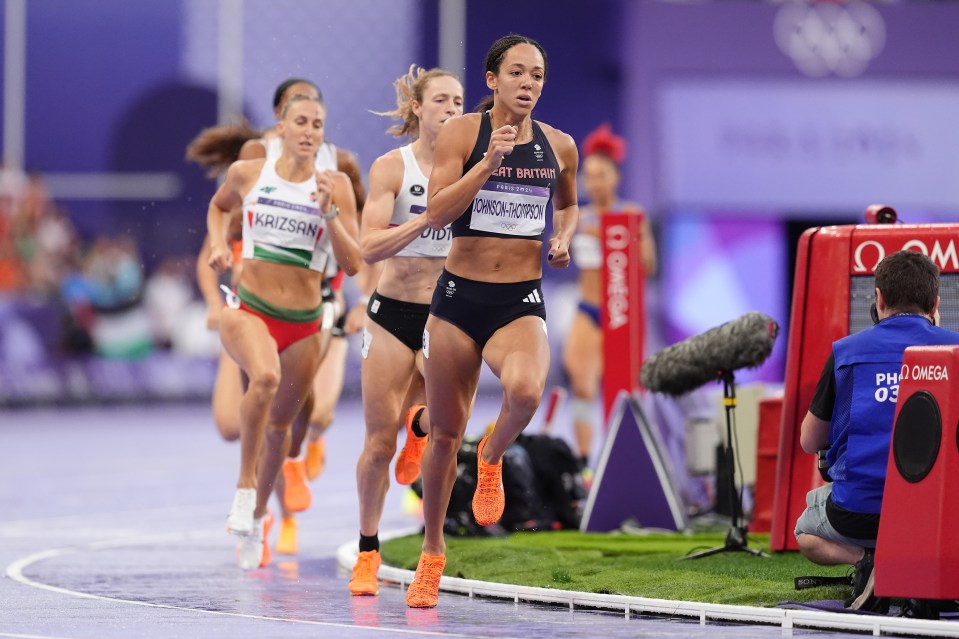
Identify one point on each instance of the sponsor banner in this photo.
(823, 147)
(621, 312)
(870, 245)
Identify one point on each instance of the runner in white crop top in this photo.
(411, 203)
(217, 148)
(290, 212)
(282, 223)
(395, 233)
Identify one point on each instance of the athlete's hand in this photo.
(221, 257)
(501, 143)
(354, 319)
(558, 254)
(324, 190)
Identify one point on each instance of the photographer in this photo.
(852, 415)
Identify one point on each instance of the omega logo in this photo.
(945, 258)
(617, 288)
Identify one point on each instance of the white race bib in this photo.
(281, 224)
(510, 209)
(429, 243)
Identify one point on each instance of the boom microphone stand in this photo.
(736, 538)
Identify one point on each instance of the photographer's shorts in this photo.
(814, 521)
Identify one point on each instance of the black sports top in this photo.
(516, 200)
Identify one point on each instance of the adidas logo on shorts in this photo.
(533, 298)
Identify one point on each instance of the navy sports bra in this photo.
(516, 200)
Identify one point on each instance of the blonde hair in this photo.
(409, 88)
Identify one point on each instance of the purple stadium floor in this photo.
(112, 526)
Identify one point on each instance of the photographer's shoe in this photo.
(863, 581)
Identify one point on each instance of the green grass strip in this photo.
(628, 564)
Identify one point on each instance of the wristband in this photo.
(332, 213)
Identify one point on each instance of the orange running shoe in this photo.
(286, 540)
(296, 497)
(408, 463)
(424, 592)
(267, 524)
(489, 500)
(363, 581)
(315, 458)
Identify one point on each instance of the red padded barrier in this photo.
(621, 313)
(767, 447)
(917, 555)
(827, 260)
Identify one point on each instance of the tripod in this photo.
(736, 538)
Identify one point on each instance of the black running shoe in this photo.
(863, 597)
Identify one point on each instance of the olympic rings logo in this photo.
(828, 37)
(508, 226)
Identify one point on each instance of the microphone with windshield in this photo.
(745, 342)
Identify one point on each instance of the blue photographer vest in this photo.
(867, 386)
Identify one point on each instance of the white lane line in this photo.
(688, 610)
(75, 533)
(16, 569)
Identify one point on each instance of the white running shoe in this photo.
(249, 551)
(240, 519)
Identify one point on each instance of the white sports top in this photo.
(410, 202)
(282, 223)
(587, 250)
(325, 161)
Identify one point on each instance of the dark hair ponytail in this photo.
(494, 57)
(484, 105)
(285, 86)
(217, 147)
